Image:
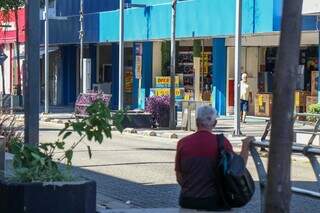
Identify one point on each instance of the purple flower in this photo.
(158, 106)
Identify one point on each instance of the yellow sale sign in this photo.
(164, 81)
(163, 92)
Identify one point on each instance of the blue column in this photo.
(93, 56)
(69, 74)
(219, 73)
(115, 76)
(147, 66)
(146, 83)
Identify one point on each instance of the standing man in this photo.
(245, 97)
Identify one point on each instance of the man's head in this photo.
(206, 117)
(244, 77)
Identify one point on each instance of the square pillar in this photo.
(69, 61)
(146, 81)
(219, 73)
(115, 76)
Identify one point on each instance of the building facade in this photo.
(11, 76)
(147, 32)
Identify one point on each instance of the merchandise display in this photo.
(300, 98)
(311, 100)
(314, 83)
(263, 104)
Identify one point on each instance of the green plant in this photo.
(314, 109)
(40, 163)
(9, 129)
(32, 163)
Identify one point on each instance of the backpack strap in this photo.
(220, 138)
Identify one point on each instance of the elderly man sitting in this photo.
(196, 160)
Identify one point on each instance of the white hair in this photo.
(206, 116)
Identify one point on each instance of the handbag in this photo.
(235, 183)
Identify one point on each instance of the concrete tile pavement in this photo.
(155, 210)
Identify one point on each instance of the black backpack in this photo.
(235, 183)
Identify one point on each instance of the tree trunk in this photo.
(278, 193)
(18, 51)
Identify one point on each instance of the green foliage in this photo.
(7, 5)
(41, 164)
(196, 48)
(34, 164)
(314, 109)
(9, 129)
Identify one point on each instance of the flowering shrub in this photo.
(159, 107)
(86, 99)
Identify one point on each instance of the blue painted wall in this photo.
(216, 18)
(72, 7)
(219, 73)
(195, 18)
(69, 74)
(151, 2)
(308, 22)
(209, 19)
(147, 67)
(67, 31)
(115, 76)
(93, 56)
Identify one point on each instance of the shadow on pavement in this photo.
(149, 195)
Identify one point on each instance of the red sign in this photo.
(8, 27)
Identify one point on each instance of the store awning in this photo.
(311, 7)
(50, 50)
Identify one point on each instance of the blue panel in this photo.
(147, 66)
(211, 18)
(115, 76)
(309, 23)
(72, 7)
(195, 18)
(247, 16)
(93, 56)
(219, 72)
(135, 92)
(277, 14)
(263, 17)
(69, 74)
(67, 31)
(151, 2)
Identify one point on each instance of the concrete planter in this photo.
(59, 197)
(137, 120)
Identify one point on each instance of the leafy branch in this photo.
(39, 163)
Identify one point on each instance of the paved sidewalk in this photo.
(158, 210)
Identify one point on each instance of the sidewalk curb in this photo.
(130, 130)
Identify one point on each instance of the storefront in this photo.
(193, 76)
(260, 61)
